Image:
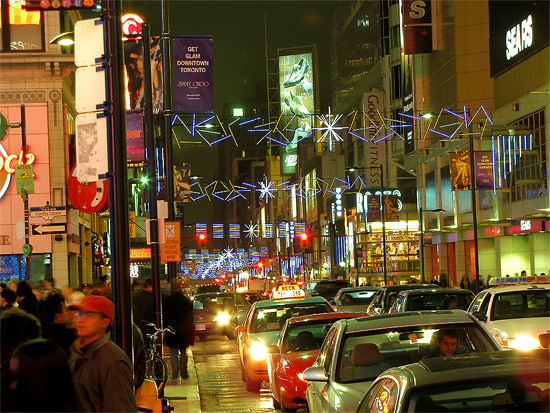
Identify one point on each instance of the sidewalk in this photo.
(184, 395)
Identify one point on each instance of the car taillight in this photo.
(545, 340)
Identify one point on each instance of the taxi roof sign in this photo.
(542, 279)
(288, 291)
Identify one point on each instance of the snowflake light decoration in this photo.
(252, 231)
(267, 189)
(329, 127)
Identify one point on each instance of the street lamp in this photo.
(353, 169)
(421, 219)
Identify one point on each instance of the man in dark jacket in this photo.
(102, 366)
(178, 314)
(144, 308)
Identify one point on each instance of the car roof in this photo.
(366, 288)
(305, 300)
(323, 316)
(517, 287)
(409, 318)
(408, 286)
(333, 282)
(217, 294)
(497, 364)
(437, 291)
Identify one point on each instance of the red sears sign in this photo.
(88, 197)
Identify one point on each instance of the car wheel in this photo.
(276, 404)
(251, 385)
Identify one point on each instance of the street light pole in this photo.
(383, 223)
(422, 269)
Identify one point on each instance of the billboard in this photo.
(375, 152)
(296, 85)
(417, 26)
(135, 145)
(193, 74)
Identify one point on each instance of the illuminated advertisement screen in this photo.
(297, 104)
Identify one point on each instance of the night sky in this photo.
(237, 28)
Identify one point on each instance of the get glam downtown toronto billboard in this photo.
(297, 96)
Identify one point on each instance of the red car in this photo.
(295, 351)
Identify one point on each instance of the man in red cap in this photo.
(97, 362)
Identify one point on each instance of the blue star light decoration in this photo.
(252, 231)
(329, 127)
(266, 190)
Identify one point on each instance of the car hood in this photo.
(515, 326)
(301, 360)
(268, 338)
(350, 394)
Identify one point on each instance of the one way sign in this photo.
(49, 229)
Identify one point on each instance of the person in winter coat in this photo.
(178, 314)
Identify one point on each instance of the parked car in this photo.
(488, 382)
(296, 349)
(354, 298)
(328, 288)
(432, 299)
(357, 351)
(386, 296)
(518, 316)
(218, 313)
(262, 326)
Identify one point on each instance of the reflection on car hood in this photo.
(268, 338)
(301, 360)
(514, 326)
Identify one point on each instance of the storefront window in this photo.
(20, 30)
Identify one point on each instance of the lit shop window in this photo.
(20, 30)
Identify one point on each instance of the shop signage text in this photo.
(519, 37)
(6, 163)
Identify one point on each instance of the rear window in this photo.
(208, 289)
(273, 318)
(306, 336)
(330, 288)
(367, 354)
(213, 303)
(521, 304)
(519, 393)
(356, 297)
(420, 302)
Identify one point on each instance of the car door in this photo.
(319, 390)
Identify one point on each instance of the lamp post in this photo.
(421, 219)
(383, 212)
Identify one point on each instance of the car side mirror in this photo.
(273, 349)
(315, 374)
(239, 329)
(479, 315)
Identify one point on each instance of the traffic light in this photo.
(202, 238)
(305, 242)
(260, 264)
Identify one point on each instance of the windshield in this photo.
(208, 289)
(215, 303)
(356, 297)
(367, 354)
(273, 318)
(451, 301)
(519, 393)
(306, 336)
(521, 304)
(329, 288)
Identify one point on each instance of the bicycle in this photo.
(155, 366)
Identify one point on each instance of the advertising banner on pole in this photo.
(484, 169)
(193, 74)
(391, 208)
(375, 152)
(460, 171)
(135, 145)
(182, 184)
(373, 209)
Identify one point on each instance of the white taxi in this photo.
(516, 311)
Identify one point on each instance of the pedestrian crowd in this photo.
(57, 352)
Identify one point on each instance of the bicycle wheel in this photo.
(159, 372)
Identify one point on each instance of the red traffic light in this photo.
(260, 264)
(202, 237)
(303, 237)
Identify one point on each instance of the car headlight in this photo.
(524, 342)
(257, 350)
(222, 318)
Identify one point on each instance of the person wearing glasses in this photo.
(102, 366)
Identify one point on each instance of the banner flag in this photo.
(193, 74)
(391, 208)
(484, 169)
(460, 171)
(373, 209)
(182, 184)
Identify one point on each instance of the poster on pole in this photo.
(193, 74)
(484, 169)
(391, 208)
(373, 208)
(91, 147)
(460, 171)
(182, 184)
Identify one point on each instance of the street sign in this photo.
(48, 212)
(132, 223)
(24, 179)
(170, 251)
(50, 229)
(27, 250)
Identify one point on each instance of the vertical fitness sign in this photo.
(193, 74)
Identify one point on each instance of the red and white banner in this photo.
(373, 108)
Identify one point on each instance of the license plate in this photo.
(200, 327)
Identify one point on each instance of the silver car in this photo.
(357, 351)
(354, 299)
(499, 381)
